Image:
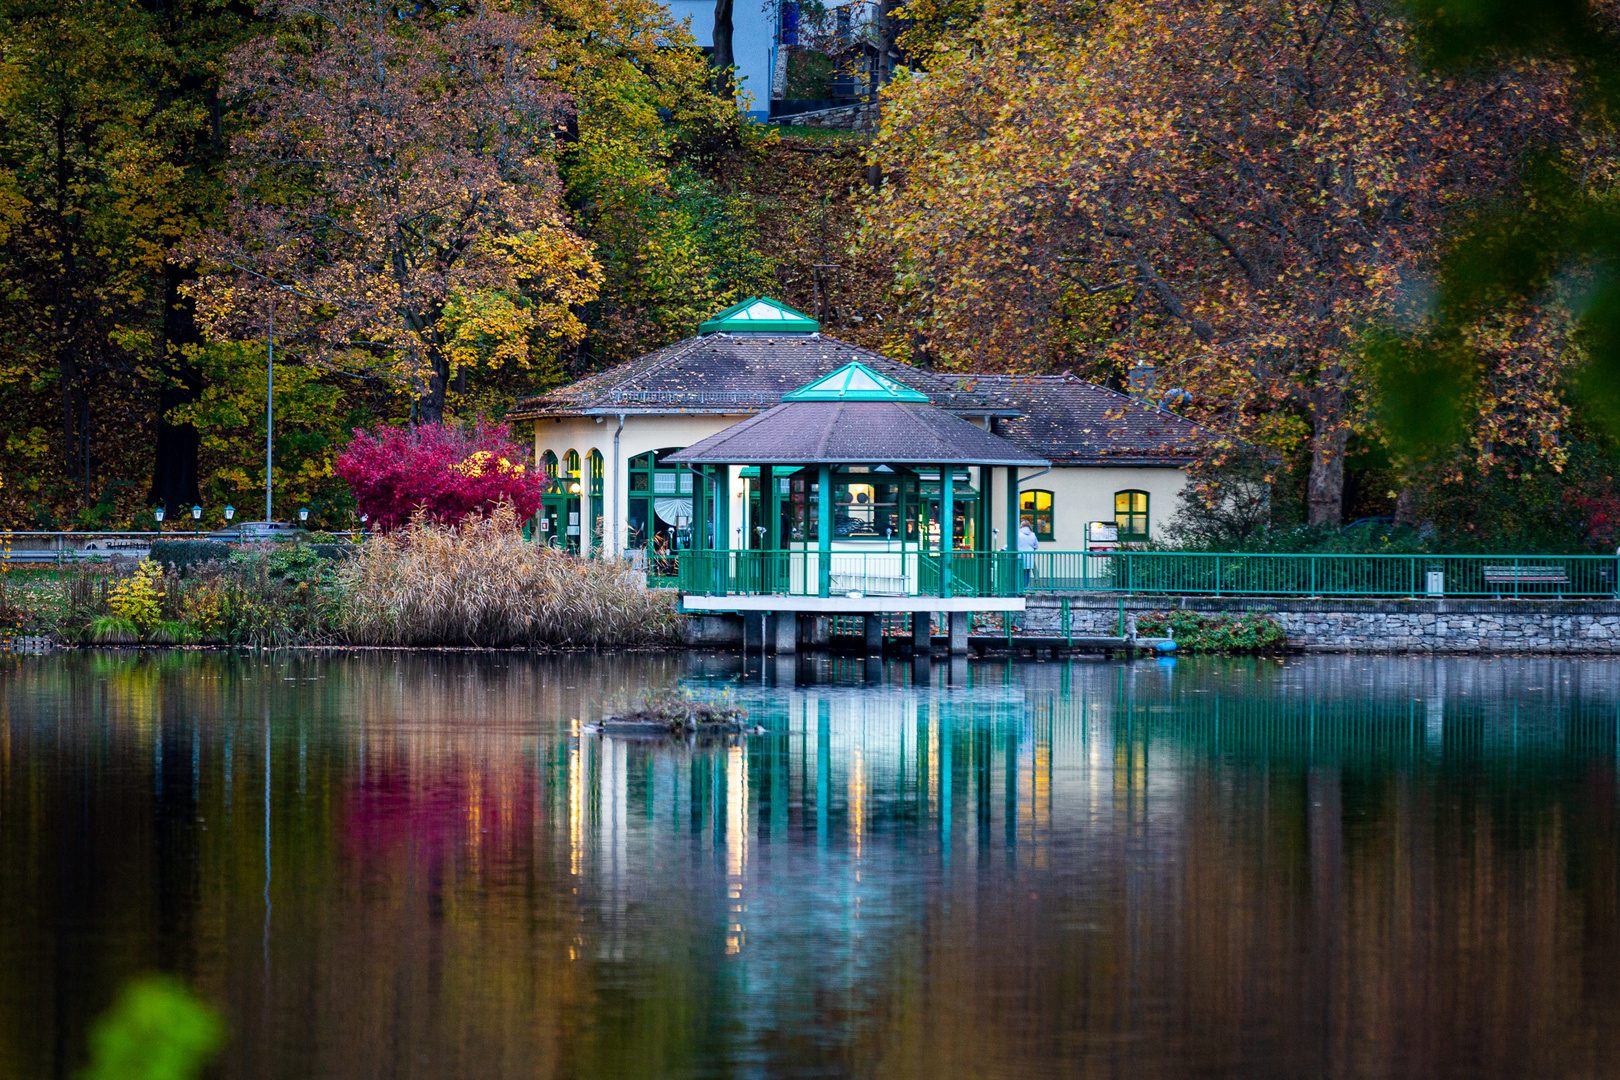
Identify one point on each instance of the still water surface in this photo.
(412, 866)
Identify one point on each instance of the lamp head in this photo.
(157, 512)
(230, 511)
(303, 513)
(196, 513)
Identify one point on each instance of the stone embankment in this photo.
(1336, 624)
(862, 117)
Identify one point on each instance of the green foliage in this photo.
(182, 555)
(112, 630)
(171, 632)
(1250, 632)
(1559, 228)
(315, 412)
(156, 1030)
(810, 75)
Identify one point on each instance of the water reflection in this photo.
(414, 865)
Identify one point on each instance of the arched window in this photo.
(1131, 515)
(1035, 507)
(548, 465)
(571, 465)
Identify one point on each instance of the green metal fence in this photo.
(842, 573)
(1323, 575)
(976, 574)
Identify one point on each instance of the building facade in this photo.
(607, 439)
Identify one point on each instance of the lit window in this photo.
(1131, 515)
(1035, 508)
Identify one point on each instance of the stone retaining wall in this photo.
(862, 117)
(1378, 626)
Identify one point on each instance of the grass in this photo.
(798, 133)
(481, 583)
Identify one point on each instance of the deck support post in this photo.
(958, 623)
(922, 632)
(872, 640)
(784, 633)
(824, 529)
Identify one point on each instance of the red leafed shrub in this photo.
(443, 472)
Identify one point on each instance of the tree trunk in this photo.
(1325, 486)
(723, 58)
(430, 406)
(174, 462)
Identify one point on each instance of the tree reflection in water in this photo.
(1381, 866)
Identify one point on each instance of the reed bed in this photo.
(480, 583)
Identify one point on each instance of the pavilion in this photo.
(859, 476)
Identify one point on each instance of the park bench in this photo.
(1520, 576)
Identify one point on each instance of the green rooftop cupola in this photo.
(760, 315)
(855, 382)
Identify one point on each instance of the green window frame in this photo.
(1035, 507)
(596, 524)
(1131, 515)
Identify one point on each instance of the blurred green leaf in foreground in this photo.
(156, 1030)
(1561, 233)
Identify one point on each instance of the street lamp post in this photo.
(196, 520)
(270, 412)
(303, 515)
(230, 512)
(157, 512)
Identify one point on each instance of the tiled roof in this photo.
(736, 373)
(855, 432)
(1074, 422)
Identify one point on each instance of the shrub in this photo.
(443, 473)
(481, 583)
(182, 555)
(205, 607)
(139, 597)
(1251, 632)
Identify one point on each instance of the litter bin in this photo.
(1435, 585)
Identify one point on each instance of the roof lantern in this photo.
(760, 315)
(855, 382)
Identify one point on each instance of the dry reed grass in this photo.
(481, 583)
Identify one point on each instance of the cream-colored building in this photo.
(1115, 459)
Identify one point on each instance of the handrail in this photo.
(1371, 575)
(1156, 573)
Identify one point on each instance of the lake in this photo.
(414, 865)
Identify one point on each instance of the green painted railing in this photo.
(1323, 575)
(974, 574)
(874, 573)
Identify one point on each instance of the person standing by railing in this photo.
(1028, 544)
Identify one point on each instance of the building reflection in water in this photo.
(1222, 868)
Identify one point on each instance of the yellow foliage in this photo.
(138, 597)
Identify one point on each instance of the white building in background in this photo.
(1115, 460)
(765, 31)
(753, 43)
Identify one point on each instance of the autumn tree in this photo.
(398, 204)
(85, 213)
(1239, 192)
